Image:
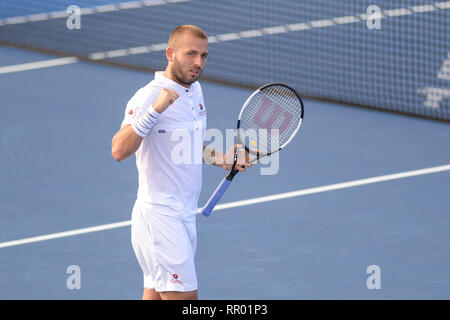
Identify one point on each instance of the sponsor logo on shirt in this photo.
(202, 110)
(133, 112)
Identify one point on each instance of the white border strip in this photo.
(241, 203)
(38, 65)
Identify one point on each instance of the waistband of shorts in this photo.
(164, 209)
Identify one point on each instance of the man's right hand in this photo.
(127, 141)
(165, 98)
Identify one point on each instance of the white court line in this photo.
(86, 10)
(241, 203)
(65, 234)
(331, 187)
(38, 65)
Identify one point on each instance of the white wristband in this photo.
(145, 122)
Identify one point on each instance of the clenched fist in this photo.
(165, 98)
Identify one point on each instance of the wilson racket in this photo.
(268, 121)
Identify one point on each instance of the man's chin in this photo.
(195, 77)
(191, 80)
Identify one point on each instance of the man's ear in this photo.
(170, 52)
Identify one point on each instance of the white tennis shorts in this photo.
(165, 249)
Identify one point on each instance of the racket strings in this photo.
(270, 119)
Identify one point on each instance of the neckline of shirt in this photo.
(159, 75)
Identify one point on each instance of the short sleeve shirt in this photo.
(169, 160)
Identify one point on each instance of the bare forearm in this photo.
(125, 143)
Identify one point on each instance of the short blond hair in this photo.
(180, 30)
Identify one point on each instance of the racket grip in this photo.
(215, 197)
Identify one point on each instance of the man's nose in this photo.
(198, 61)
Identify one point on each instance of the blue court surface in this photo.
(57, 175)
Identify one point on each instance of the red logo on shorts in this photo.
(175, 279)
(130, 112)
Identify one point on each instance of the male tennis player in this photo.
(167, 112)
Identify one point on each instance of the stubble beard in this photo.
(179, 77)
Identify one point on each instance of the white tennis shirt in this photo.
(169, 160)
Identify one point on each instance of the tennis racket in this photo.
(268, 121)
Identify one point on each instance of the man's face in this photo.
(188, 59)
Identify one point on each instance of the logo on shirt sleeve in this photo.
(133, 112)
(202, 110)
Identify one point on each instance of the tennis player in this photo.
(158, 117)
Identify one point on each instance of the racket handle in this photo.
(215, 197)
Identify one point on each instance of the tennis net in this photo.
(392, 55)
